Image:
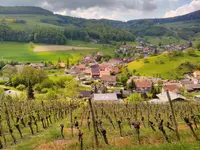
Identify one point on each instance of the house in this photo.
(95, 73)
(113, 69)
(104, 66)
(192, 87)
(80, 67)
(100, 54)
(185, 82)
(196, 74)
(172, 88)
(108, 79)
(163, 99)
(108, 97)
(115, 61)
(126, 47)
(61, 65)
(139, 47)
(146, 50)
(143, 85)
(104, 73)
(37, 65)
(85, 94)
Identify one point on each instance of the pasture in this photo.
(164, 69)
(24, 52)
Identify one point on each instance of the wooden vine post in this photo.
(94, 123)
(173, 116)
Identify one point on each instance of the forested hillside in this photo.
(25, 24)
(24, 10)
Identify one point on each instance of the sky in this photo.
(123, 10)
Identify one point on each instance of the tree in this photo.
(132, 85)
(135, 98)
(67, 63)
(71, 93)
(190, 51)
(123, 79)
(198, 46)
(30, 76)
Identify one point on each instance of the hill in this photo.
(29, 19)
(166, 66)
(24, 10)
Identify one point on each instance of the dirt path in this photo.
(60, 48)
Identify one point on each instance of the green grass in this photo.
(151, 68)
(153, 140)
(23, 52)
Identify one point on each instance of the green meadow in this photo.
(23, 52)
(165, 69)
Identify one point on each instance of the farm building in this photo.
(108, 97)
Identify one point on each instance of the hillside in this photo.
(166, 67)
(28, 19)
(24, 10)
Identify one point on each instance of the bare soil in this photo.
(60, 48)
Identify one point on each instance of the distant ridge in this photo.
(24, 10)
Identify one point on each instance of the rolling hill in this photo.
(166, 67)
(183, 28)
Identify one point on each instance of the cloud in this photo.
(109, 9)
(187, 8)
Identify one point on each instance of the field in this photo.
(24, 52)
(164, 69)
(54, 48)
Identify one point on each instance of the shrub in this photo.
(146, 60)
(21, 87)
(44, 90)
(37, 87)
(47, 83)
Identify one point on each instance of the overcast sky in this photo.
(112, 9)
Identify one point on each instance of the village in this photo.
(101, 76)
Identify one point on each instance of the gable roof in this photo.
(105, 97)
(143, 84)
(162, 98)
(171, 88)
(197, 73)
(85, 93)
(174, 96)
(109, 78)
(104, 73)
(81, 66)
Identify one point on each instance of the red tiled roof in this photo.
(81, 66)
(143, 84)
(103, 73)
(108, 78)
(171, 88)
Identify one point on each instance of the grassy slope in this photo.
(23, 52)
(31, 20)
(155, 40)
(151, 68)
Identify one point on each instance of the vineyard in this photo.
(99, 125)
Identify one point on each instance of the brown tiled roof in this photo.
(81, 66)
(171, 88)
(143, 84)
(108, 78)
(103, 73)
